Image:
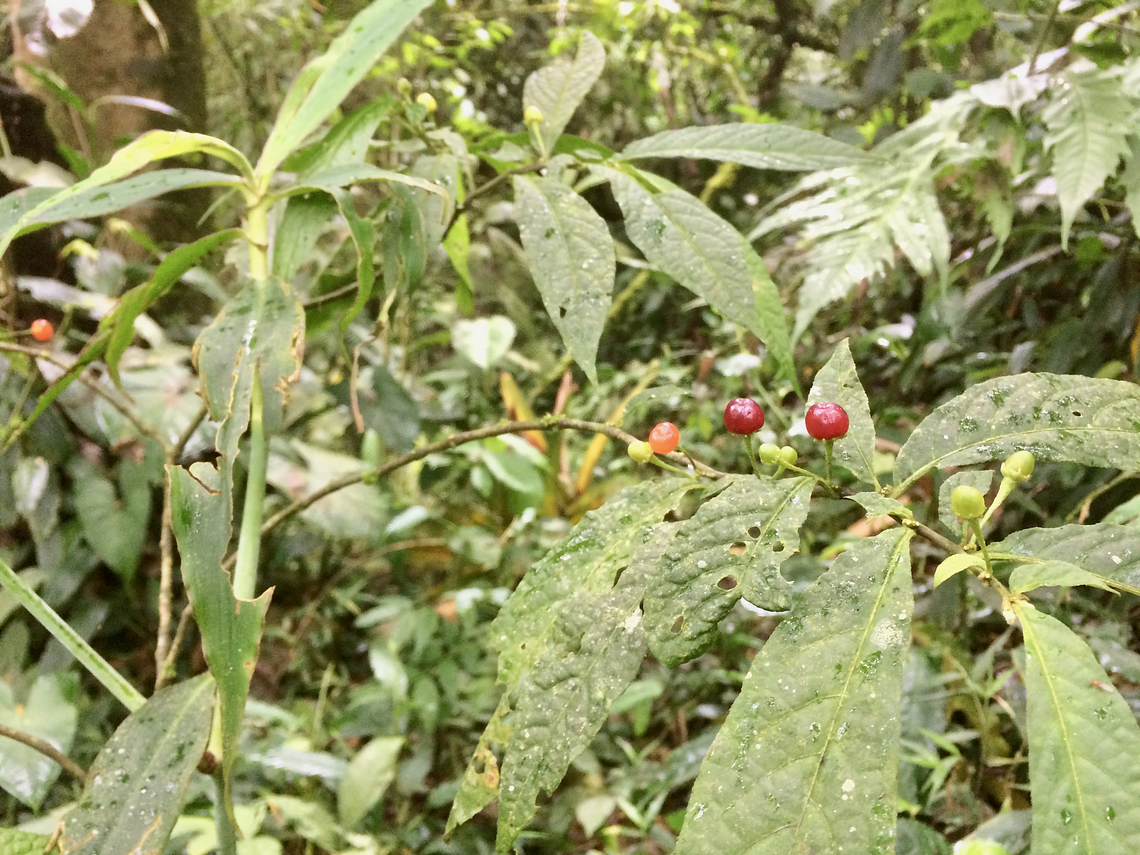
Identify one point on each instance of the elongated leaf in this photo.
(1055, 416)
(363, 236)
(367, 778)
(807, 759)
(138, 782)
(771, 318)
(838, 383)
(732, 547)
(1026, 577)
(231, 628)
(569, 643)
(355, 173)
(1107, 550)
(1088, 122)
(558, 89)
(956, 564)
(1082, 738)
(325, 81)
(782, 147)
(307, 216)
(571, 256)
(681, 237)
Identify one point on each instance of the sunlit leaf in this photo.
(807, 760)
(1106, 550)
(558, 89)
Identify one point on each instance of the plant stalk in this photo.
(249, 541)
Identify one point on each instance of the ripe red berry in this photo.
(42, 329)
(664, 437)
(743, 416)
(826, 421)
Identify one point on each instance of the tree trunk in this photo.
(120, 55)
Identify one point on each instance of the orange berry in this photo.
(42, 329)
(664, 437)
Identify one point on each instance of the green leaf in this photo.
(367, 778)
(768, 146)
(980, 479)
(261, 329)
(808, 757)
(878, 505)
(1055, 416)
(307, 216)
(202, 508)
(681, 237)
(558, 89)
(48, 712)
(732, 547)
(121, 321)
(571, 256)
(1088, 122)
(325, 81)
(954, 565)
(1105, 550)
(1026, 577)
(16, 842)
(771, 318)
(569, 643)
(838, 383)
(1085, 799)
(483, 340)
(356, 173)
(115, 516)
(138, 782)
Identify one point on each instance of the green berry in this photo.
(639, 451)
(968, 502)
(788, 456)
(980, 847)
(769, 454)
(1018, 466)
(532, 116)
(426, 101)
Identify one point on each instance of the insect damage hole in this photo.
(738, 548)
(778, 546)
(727, 583)
(677, 624)
(754, 532)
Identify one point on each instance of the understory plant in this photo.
(807, 760)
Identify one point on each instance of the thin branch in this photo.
(929, 534)
(184, 437)
(166, 578)
(46, 749)
(483, 189)
(179, 637)
(1041, 38)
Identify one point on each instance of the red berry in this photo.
(42, 329)
(664, 437)
(826, 421)
(743, 416)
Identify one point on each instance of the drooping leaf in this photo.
(202, 508)
(571, 256)
(48, 712)
(1106, 550)
(681, 237)
(1055, 416)
(367, 778)
(768, 146)
(954, 565)
(1085, 799)
(732, 547)
(558, 89)
(138, 782)
(325, 81)
(1088, 124)
(838, 383)
(771, 318)
(807, 759)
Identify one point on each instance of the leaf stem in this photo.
(100, 669)
(227, 834)
(249, 541)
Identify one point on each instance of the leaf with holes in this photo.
(807, 759)
(1085, 799)
(732, 547)
(558, 89)
(1108, 551)
(569, 642)
(1055, 416)
(571, 257)
(838, 383)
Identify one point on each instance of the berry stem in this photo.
(827, 452)
(657, 461)
(751, 454)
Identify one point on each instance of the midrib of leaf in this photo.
(901, 488)
(1055, 699)
(809, 800)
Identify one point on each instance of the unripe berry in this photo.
(980, 847)
(639, 451)
(769, 454)
(664, 437)
(826, 421)
(968, 502)
(788, 456)
(425, 100)
(743, 416)
(42, 329)
(532, 116)
(1018, 466)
